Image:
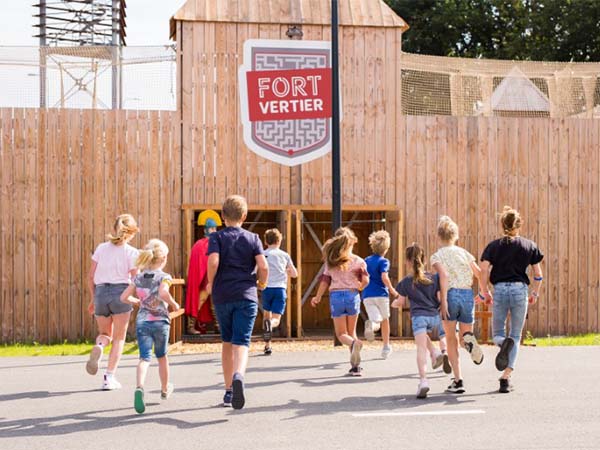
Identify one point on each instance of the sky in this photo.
(147, 21)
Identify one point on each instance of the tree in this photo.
(546, 30)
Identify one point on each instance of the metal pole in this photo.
(335, 123)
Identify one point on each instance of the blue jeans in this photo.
(152, 332)
(509, 297)
(344, 303)
(461, 305)
(236, 321)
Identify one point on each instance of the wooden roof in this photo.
(358, 13)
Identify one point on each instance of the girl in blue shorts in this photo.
(150, 290)
(422, 289)
(345, 275)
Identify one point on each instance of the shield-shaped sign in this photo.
(285, 94)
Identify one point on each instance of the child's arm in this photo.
(399, 302)
(262, 271)
(443, 294)
(483, 282)
(291, 270)
(537, 283)
(213, 265)
(127, 295)
(388, 284)
(165, 295)
(92, 286)
(323, 285)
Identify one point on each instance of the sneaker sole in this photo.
(166, 395)
(447, 366)
(423, 392)
(92, 365)
(355, 355)
(138, 402)
(369, 333)
(238, 401)
(502, 356)
(438, 362)
(455, 391)
(476, 352)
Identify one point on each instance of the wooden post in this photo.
(298, 291)
(288, 248)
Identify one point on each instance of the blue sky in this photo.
(147, 21)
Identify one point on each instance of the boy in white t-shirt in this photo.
(275, 294)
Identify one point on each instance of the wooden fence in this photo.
(65, 174)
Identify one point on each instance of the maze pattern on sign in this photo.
(290, 136)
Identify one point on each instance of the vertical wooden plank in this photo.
(212, 139)
(472, 205)
(298, 292)
(144, 179)
(187, 151)
(542, 190)
(563, 226)
(594, 251)
(77, 281)
(429, 176)
(454, 160)
(288, 249)
(63, 224)
(532, 219)
(369, 170)
(31, 186)
(572, 278)
(87, 211)
(19, 208)
(389, 119)
(411, 205)
(155, 175)
(357, 154)
(462, 148)
(583, 244)
(553, 254)
(53, 225)
(6, 224)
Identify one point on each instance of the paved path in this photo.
(302, 401)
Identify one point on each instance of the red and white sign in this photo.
(285, 95)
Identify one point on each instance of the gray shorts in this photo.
(107, 300)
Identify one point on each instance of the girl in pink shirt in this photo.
(113, 266)
(345, 275)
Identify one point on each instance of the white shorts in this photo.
(378, 308)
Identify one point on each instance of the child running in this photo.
(151, 287)
(345, 275)
(235, 261)
(275, 294)
(376, 296)
(113, 266)
(422, 289)
(456, 267)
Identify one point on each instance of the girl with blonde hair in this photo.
(456, 268)
(504, 263)
(113, 266)
(150, 290)
(345, 276)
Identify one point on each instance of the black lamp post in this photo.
(336, 190)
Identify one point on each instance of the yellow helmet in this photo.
(209, 219)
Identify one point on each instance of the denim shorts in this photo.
(152, 332)
(426, 324)
(273, 300)
(236, 321)
(461, 306)
(344, 303)
(107, 300)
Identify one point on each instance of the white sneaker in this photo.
(437, 360)
(166, 394)
(355, 353)
(110, 383)
(473, 348)
(423, 388)
(386, 351)
(369, 333)
(95, 356)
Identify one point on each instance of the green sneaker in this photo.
(138, 401)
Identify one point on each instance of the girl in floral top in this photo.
(456, 268)
(345, 275)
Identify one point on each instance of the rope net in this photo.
(433, 85)
(102, 77)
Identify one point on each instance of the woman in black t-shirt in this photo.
(508, 258)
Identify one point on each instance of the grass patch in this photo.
(556, 341)
(64, 349)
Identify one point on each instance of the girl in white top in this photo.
(456, 268)
(113, 266)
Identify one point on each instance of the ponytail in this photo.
(154, 252)
(125, 227)
(416, 256)
(511, 221)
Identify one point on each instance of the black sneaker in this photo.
(505, 386)
(268, 350)
(447, 366)
(267, 335)
(456, 387)
(502, 356)
(355, 371)
(227, 398)
(238, 400)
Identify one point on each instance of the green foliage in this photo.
(64, 349)
(543, 30)
(554, 341)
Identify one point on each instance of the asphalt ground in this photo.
(303, 400)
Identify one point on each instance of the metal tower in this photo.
(83, 23)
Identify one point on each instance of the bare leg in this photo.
(227, 363)
(105, 330)
(275, 320)
(240, 358)
(423, 342)
(341, 330)
(142, 370)
(120, 324)
(351, 326)
(163, 372)
(452, 340)
(443, 344)
(385, 331)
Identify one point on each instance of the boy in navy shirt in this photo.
(236, 264)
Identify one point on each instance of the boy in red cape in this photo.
(198, 302)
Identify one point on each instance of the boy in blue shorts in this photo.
(275, 295)
(236, 264)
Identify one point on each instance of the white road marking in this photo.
(422, 413)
